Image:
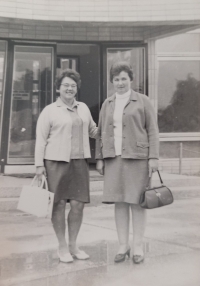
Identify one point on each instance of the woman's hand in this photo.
(153, 166)
(100, 166)
(39, 172)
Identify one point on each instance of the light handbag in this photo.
(36, 200)
(156, 197)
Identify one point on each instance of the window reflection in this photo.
(179, 96)
(31, 92)
(3, 48)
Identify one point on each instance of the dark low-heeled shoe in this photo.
(120, 257)
(138, 258)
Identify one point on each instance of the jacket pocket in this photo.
(142, 144)
(142, 149)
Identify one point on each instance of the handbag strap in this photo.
(44, 182)
(161, 181)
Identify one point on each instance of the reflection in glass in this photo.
(179, 96)
(31, 92)
(2, 75)
(135, 57)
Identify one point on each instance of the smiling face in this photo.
(122, 82)
(68, 90)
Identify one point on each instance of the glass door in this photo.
(134, 56)
(3, 52)
(32, 90)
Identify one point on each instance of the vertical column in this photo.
(152, 73)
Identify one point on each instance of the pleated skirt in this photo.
(68, 181)
(124, 180)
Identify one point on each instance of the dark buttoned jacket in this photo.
(140, 136)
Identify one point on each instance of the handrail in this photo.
(181, 156)
(191, 151)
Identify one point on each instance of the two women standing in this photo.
(126, 153)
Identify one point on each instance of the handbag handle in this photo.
(44, 182)
(161, 181)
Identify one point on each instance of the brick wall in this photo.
(101, 10)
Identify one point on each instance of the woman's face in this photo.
(68, 89)
(122, 82)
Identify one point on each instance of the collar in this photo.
(60, 103)
(133, 96)
(125, 95)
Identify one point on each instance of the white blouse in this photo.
(120, 102)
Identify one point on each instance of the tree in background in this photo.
(183, 113)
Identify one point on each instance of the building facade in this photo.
(40, 38)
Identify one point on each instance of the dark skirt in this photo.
(68, 181)
(124, 180)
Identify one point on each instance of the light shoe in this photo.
(137, 259)
(81, 255)
(66, 258)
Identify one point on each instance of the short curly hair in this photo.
(68, 73)
(118, 67)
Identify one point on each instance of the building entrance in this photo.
(31, 73)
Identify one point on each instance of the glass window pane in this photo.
(135, 56)
(171, 149)
(31, 92)
(179, 96)
(3, 48)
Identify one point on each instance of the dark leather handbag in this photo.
(156, 197)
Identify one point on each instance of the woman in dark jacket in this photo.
(127, 152)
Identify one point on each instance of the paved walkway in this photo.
(172, 243)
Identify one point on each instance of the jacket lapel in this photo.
(112, 101)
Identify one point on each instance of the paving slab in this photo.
(28, 250)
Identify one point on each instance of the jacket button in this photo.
(123, 148)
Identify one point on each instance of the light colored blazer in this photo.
(54, 129)
(139, 129)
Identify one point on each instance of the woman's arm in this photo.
(98, 149)
(92, 127)
(153, 166)
(42, 134)
(153, 137)
(152, 129)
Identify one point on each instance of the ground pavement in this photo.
(172, 242)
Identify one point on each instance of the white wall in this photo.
(102, 10)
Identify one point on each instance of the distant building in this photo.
(40, 38)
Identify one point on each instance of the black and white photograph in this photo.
(99, 142)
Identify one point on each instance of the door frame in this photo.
(6, 108)
(122, 45)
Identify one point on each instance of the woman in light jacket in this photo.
(62, 147)
(127, 152)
